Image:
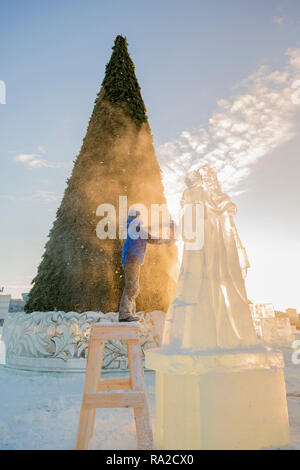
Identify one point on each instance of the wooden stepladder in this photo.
(98, 393)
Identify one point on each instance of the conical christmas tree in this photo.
(79, 271)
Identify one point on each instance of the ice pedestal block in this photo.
(219, 400)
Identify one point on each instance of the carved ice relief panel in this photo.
(65, 336)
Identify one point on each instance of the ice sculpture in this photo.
(211, 308)
(213, 376)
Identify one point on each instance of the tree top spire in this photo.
(120, 83)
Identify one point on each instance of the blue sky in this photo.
(189, 55)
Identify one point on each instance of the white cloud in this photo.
(294, 55)
(40, 195)
(277, 20)
(33, 160)
(246, 127)
(46, 195)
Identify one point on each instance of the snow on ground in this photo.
(41, 411)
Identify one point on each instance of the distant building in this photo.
(4, 307)
(16, 305)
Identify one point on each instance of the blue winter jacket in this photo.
(134, 249)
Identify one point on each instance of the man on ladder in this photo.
(133, 255)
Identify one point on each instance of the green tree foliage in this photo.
(79, 271)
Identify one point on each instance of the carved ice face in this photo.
(205, 177)
(209, 177)
(192, 178)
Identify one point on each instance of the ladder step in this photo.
(113, 332)
(114, 384)
(114, 400)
